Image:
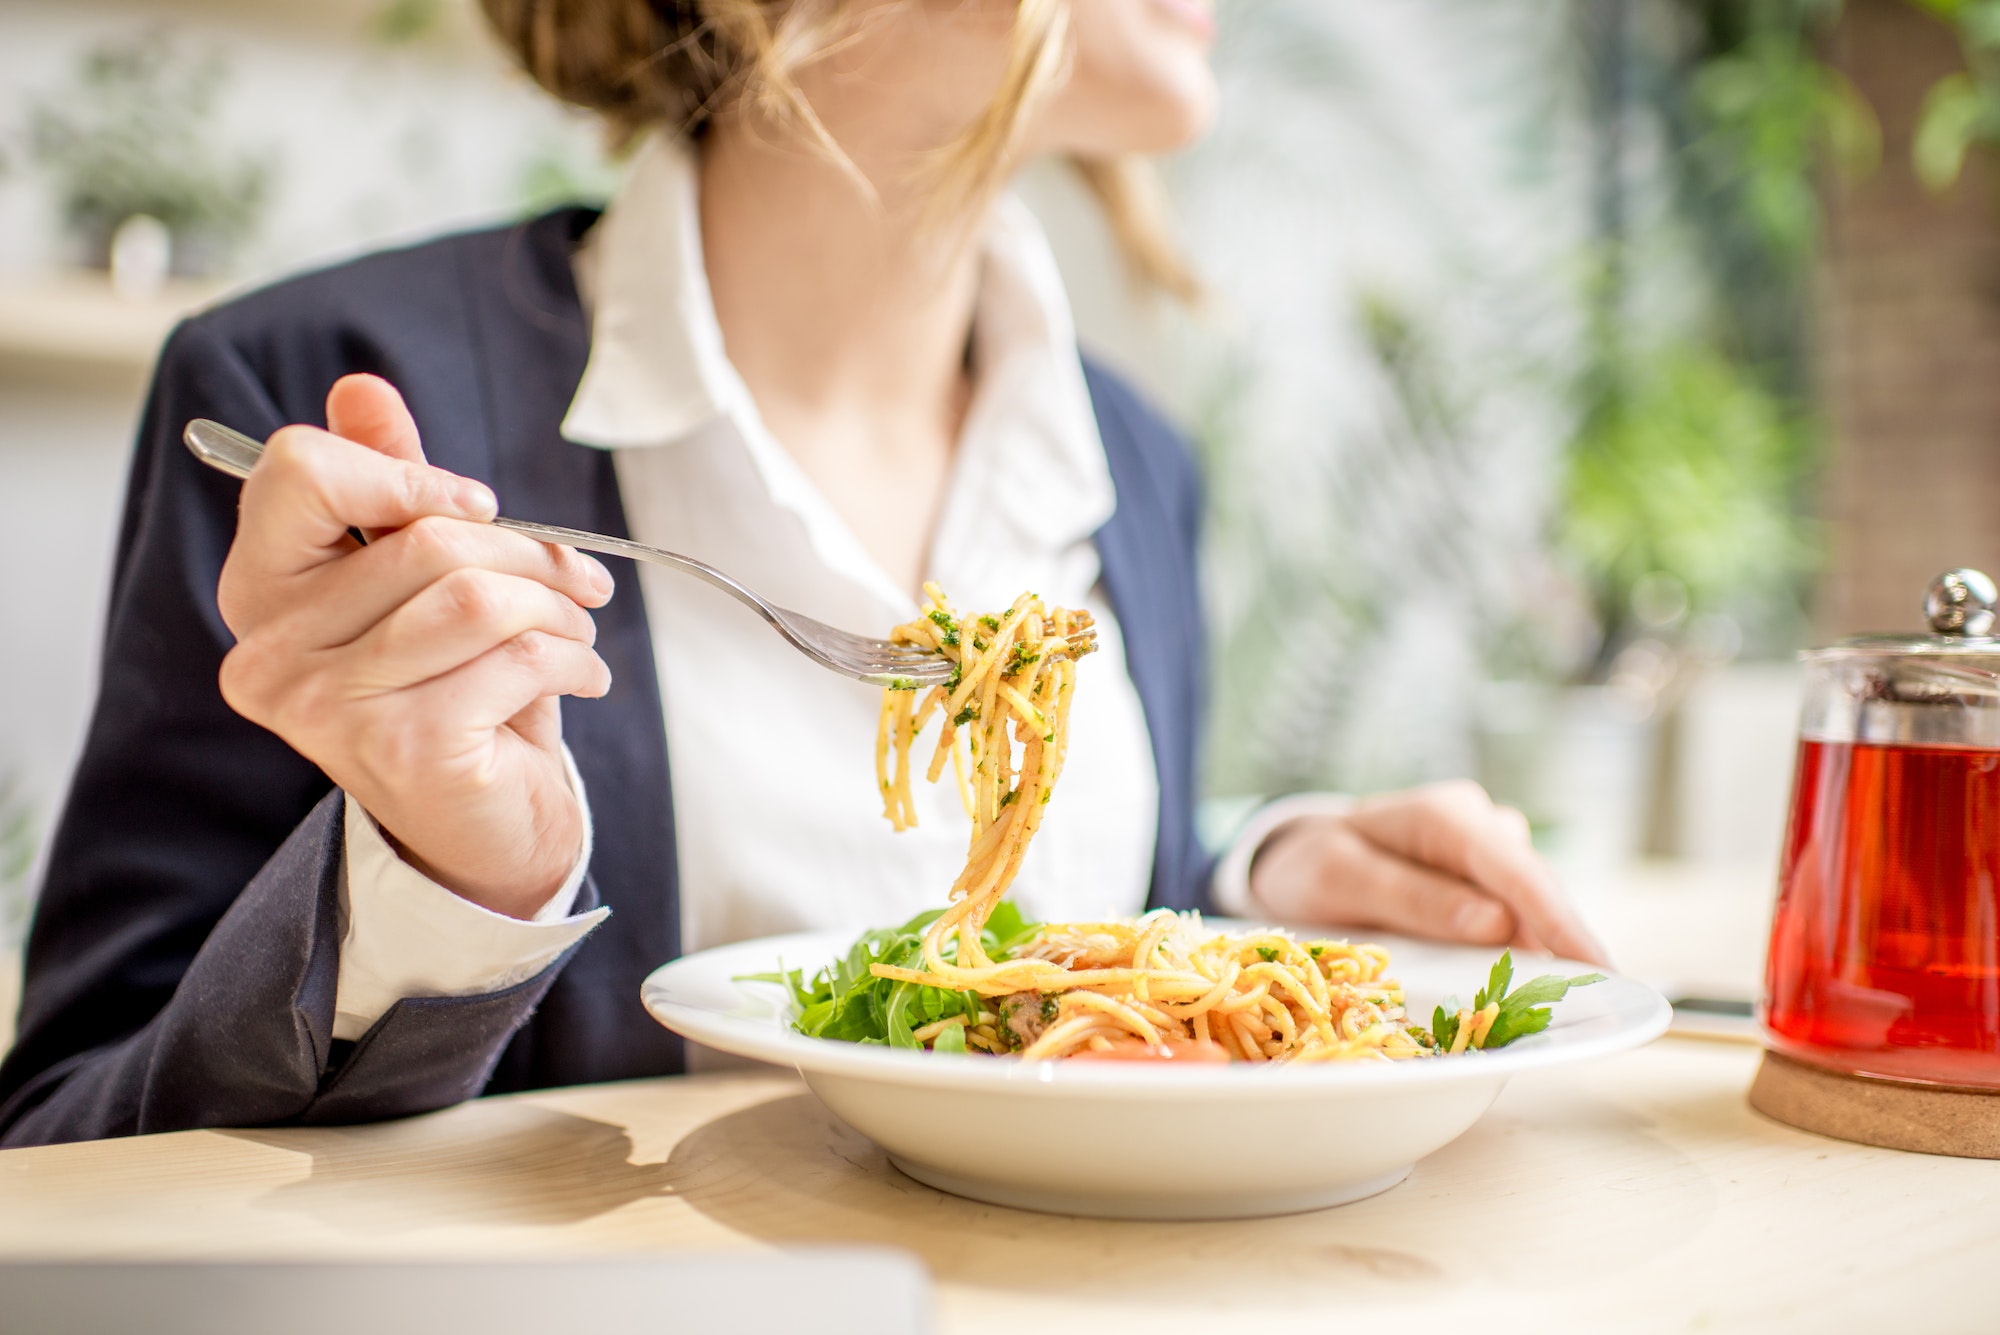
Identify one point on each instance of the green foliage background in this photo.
(1370, 568)
(1699, 440)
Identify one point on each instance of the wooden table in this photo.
(1639, 1193)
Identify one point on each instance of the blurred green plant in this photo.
(1686, 468)
(1961, 110)
(401, 22)
(136, 133)
(555, 174)
(1527, 499)
(1697, 447)
(1770, 115)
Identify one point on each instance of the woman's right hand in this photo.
(422, 671)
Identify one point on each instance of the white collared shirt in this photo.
(777, 816)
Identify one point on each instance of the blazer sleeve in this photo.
(182, 963)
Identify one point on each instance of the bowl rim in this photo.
(1621, 1013)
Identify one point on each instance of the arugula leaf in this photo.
(896, 1018)
(846, 1001)
(1007, 930)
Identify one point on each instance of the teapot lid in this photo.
(1938, 690)
(1963, 609)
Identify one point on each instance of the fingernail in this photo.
(478, 500)
(601, 582)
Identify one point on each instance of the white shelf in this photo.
(73, 328)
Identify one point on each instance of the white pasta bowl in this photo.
(1136, 1141)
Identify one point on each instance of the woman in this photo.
(418, 846)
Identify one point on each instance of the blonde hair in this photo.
(679, 63)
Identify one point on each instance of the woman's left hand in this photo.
(1440, 861)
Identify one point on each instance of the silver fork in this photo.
(878, 661)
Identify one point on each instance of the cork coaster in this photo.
(1930, 1119)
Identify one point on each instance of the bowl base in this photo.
(1247, 1205)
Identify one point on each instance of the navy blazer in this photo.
(182, 962)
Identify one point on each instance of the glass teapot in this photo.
(1885, 948)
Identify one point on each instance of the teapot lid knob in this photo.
(1961, 603)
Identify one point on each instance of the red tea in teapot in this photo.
(1885, 952)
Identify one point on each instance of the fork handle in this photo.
(228, 450)
(607, 545)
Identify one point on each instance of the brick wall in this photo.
(1910, 349)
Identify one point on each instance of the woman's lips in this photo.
(1194, 14)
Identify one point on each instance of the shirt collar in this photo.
(657, 368)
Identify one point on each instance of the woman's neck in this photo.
(829, 301)
(848, 318)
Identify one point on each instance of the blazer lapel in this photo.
(1147, 557)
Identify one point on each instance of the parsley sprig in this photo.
(1523, 1011)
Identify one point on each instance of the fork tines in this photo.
(1080, 642)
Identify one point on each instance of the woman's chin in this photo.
(1166, 128)
(1197, 17)
(1167, 111)
(1140, 81)
(1187, 119)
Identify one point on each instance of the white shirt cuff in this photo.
(404, 935)
(1230, 889)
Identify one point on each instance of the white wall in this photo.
(62, 460)
(1738, 740)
